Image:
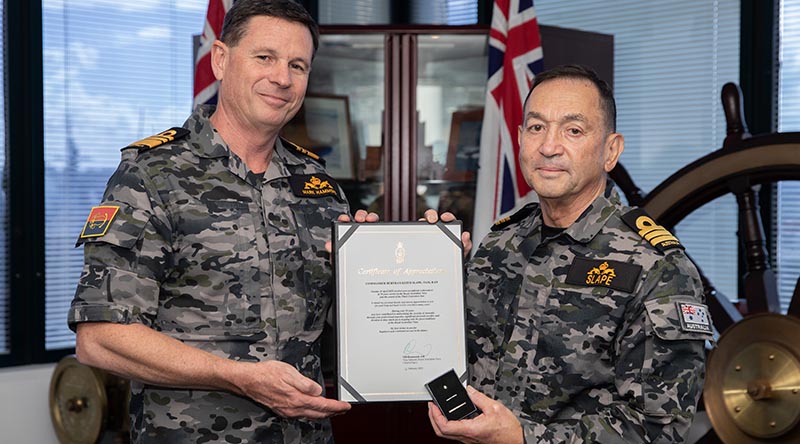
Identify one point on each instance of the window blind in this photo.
(354, 12)
(788, 196)
(114, 72)
(670, 62)
(446, 12)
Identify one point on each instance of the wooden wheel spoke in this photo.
(794, 305)
(760, 282)
(740, 167)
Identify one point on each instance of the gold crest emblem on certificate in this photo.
(399, 253)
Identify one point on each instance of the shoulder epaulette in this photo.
(657, 235)
(514, 218)
(298, 149)
(159, 139)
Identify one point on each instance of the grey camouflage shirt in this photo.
(231, 262)
(590, 335)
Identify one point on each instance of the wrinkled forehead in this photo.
(564, 96)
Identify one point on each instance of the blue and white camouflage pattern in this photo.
(230, 262)
(585, 363)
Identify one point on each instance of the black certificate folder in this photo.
(399, 308)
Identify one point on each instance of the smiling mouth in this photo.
(274, 99)
(549, 169)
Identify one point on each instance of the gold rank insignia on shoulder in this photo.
(657, 235)
(299, 149)
(514, 218)
(160, 138)
(98, 221)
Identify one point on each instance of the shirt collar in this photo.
(588, 224)
(204, 140)
(594, 218)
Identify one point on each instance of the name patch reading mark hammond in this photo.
(313, 185)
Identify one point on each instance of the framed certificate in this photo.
(399, 308)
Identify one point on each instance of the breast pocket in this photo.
(214, 290)
(578, 328)
(314, 229)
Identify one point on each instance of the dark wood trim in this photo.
(759, 65)
(312, 6)
(408, 152)
(24, 181)
(485, 8)
(400, 129)
(759, 71)
(391, 129)
(400, 11)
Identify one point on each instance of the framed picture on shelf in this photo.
(322, 126)
(464, 148)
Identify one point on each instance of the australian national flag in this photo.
(205, 85)
(515, 56)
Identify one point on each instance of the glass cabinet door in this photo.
(396, 114)
(341, 119)
(451, 83)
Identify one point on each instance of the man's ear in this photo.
(219, 59)
(615, 145)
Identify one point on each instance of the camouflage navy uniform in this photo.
(231, 262)
(585, 335)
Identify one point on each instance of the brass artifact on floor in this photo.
(88, 405)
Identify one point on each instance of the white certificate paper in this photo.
(399, 308)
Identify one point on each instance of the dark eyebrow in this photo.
(274, 52)
(575, 118)
(578, 117)
(262, 49)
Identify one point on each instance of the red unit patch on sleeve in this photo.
(98, 221)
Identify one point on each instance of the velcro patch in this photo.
(657, 235)
(314, 186)
(694, 317)
(603, 273)
(98, 221)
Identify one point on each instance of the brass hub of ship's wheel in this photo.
(752, 391)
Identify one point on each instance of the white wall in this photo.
(24, 405)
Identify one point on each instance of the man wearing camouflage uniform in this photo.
(585, 318)
(206, 278)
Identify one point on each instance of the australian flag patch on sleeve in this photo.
(694, 317)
